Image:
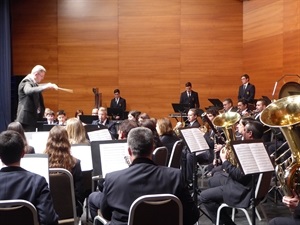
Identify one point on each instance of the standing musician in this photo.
(246, 90)
(118, 103)
(189, 97)
(31, 104)
(234, 188)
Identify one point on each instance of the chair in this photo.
(99, 219)
(175, 157)
(160, 156)
(157, 209)
(18, 212)
(62, 191)
(261, 190)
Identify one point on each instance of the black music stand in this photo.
(114, 112)
(48, 127)
(180, 108)
(88, 119)
(216, 102)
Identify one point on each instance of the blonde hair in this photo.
(58, 149)
(164, 126)
(76, 131)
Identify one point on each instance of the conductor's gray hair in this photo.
(140, 141)
(38, 68)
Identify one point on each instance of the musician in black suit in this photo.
(18, 183)
(31, 104)
(118, 103)
(246, 90)
(234, 188)
(189, 97)
(142, 177)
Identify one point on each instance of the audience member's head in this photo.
(58, 149)
(76, 131)
(164, 127)
(125, 127)
(140, 142)
(11, 147)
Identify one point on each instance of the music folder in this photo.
(252, 156)
(194, 139)
(181, 108)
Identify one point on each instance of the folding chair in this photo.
(18, 212)
(157, 209)
(175, 157)
(62, 191)
(261, 190)
(160, 156)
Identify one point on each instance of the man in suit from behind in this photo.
(246, 90)
(31, 104)
(123, 187)
(18, 183)
(189, 97)
(118, 103)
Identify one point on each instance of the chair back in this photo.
(157, 209)
(18, 212)
(62, 191)
(175, 157)
(160, 156)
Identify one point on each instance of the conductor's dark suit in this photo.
(17, 183)
(30, 102)
(248, 94)
(143, 177)
(192, 101)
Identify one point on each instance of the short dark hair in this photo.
(140, 141)
(256, 128)
(243, 101)
(188, 84)
(61, 112)
(11, 147)
(116, 91)
(246, 76)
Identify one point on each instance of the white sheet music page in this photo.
(253, 157)
(99, 135)
(83, 152)
(194, 139)
(112, 157)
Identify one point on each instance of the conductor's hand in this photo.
(51, 86)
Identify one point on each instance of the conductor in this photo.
(31, 104)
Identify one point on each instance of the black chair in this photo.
(160, 156)
(176, 153)
(18, 212)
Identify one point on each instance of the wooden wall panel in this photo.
(147, 49)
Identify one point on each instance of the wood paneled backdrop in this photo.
(150, 48)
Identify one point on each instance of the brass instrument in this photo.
(227, 122)
(285, 114)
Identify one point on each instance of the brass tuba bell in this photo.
(227, 122)
(285, 114)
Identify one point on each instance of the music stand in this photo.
(216, 102)
(88, 119)
(48, 127)
(113, 112)
(181, 108)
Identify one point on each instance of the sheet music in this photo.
(37, 140)
(99, 135)
(253, 157)
(112, 157)
(194, 139)
(84, 153)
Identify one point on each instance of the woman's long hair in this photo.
(76, 131)
(58, 149)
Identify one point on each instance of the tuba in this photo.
(227, 122)
(285, 114)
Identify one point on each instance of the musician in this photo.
(31, 104)
(103, 120)
(236, 188)
(50, 115)
(261, 104)
(246, 90)
(142, 177)
(95, 112)
(118, 103)
(228, 105)
(292, 202)
(61, 117)
(243, 108)
(189, 97)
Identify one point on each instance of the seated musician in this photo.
(142, 177)
(243, 109)
(233, 187)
